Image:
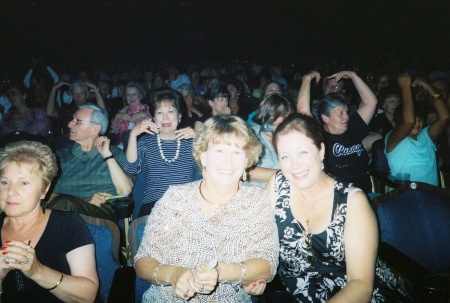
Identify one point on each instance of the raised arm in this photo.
(146, 126)
(403, 130)
(438, 126)
(52, 98)
(98, 95)
(361, 245)
(368, 98)
(122, 182)
(304, 95)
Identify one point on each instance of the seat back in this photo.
(107, 240)
(135, 234)
(415, 219)
(379, 160)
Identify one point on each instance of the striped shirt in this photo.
(159, 175)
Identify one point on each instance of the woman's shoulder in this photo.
(185, 188)
(254, 193)
(64, 217)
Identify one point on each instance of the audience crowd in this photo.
(130, 129)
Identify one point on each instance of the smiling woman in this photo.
(327, 229)
(219, 219)
(163, 156)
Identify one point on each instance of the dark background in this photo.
(70, 31)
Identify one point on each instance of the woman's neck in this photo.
(219, 193)
(167, 136)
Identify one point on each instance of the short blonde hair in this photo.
(228, 130)
(37, 156)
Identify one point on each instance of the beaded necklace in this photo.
(161, 152)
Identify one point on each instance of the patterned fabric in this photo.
(313, 266)
(178, 233)
(124, 125)
(158, 174)
(35, 122)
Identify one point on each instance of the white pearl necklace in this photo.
(161, 152)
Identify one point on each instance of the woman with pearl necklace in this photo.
(163, 156)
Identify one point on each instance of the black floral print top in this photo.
(312, 266)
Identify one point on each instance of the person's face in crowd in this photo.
(79, 95)
(218, 104)
(104, 90)
(390, 104)
(115, 78)
(167, 117)
(417, 127)
(275, 72)
(300, 160)
(224, 164)
(81, 129)
(133, 97)
(262, 81)
(20, 190)
(194, 77)
(233, 91)
(243, 78)
(158, 81)
(383, 81)
(337, 122)
(40, 94)
(148, 76)
(84, 76)
(188, 98)
(172, 72)
(272, 88)
(16, 97)
(332, 86)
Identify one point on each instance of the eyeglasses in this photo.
(75, 121)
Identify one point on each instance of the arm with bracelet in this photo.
(441, 108)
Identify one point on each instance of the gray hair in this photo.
(98, 116)
(328, 103)
(139, 87)
(80, 84)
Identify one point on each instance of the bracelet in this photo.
(243, 274)
(435, 96)
(107, 158)
(57, 284)
(155, 272)
(229, 274)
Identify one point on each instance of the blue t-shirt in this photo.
(415, 157)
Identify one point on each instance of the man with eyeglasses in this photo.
(91, 168)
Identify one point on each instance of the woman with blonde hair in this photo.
(39, 264)
(212, 240)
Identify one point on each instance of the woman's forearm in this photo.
(355, 291)
(70, 289)
(131, 152)
(254, 269)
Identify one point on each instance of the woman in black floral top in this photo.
(327, 229)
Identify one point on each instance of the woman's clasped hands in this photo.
(19, 255)
(200, 279)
